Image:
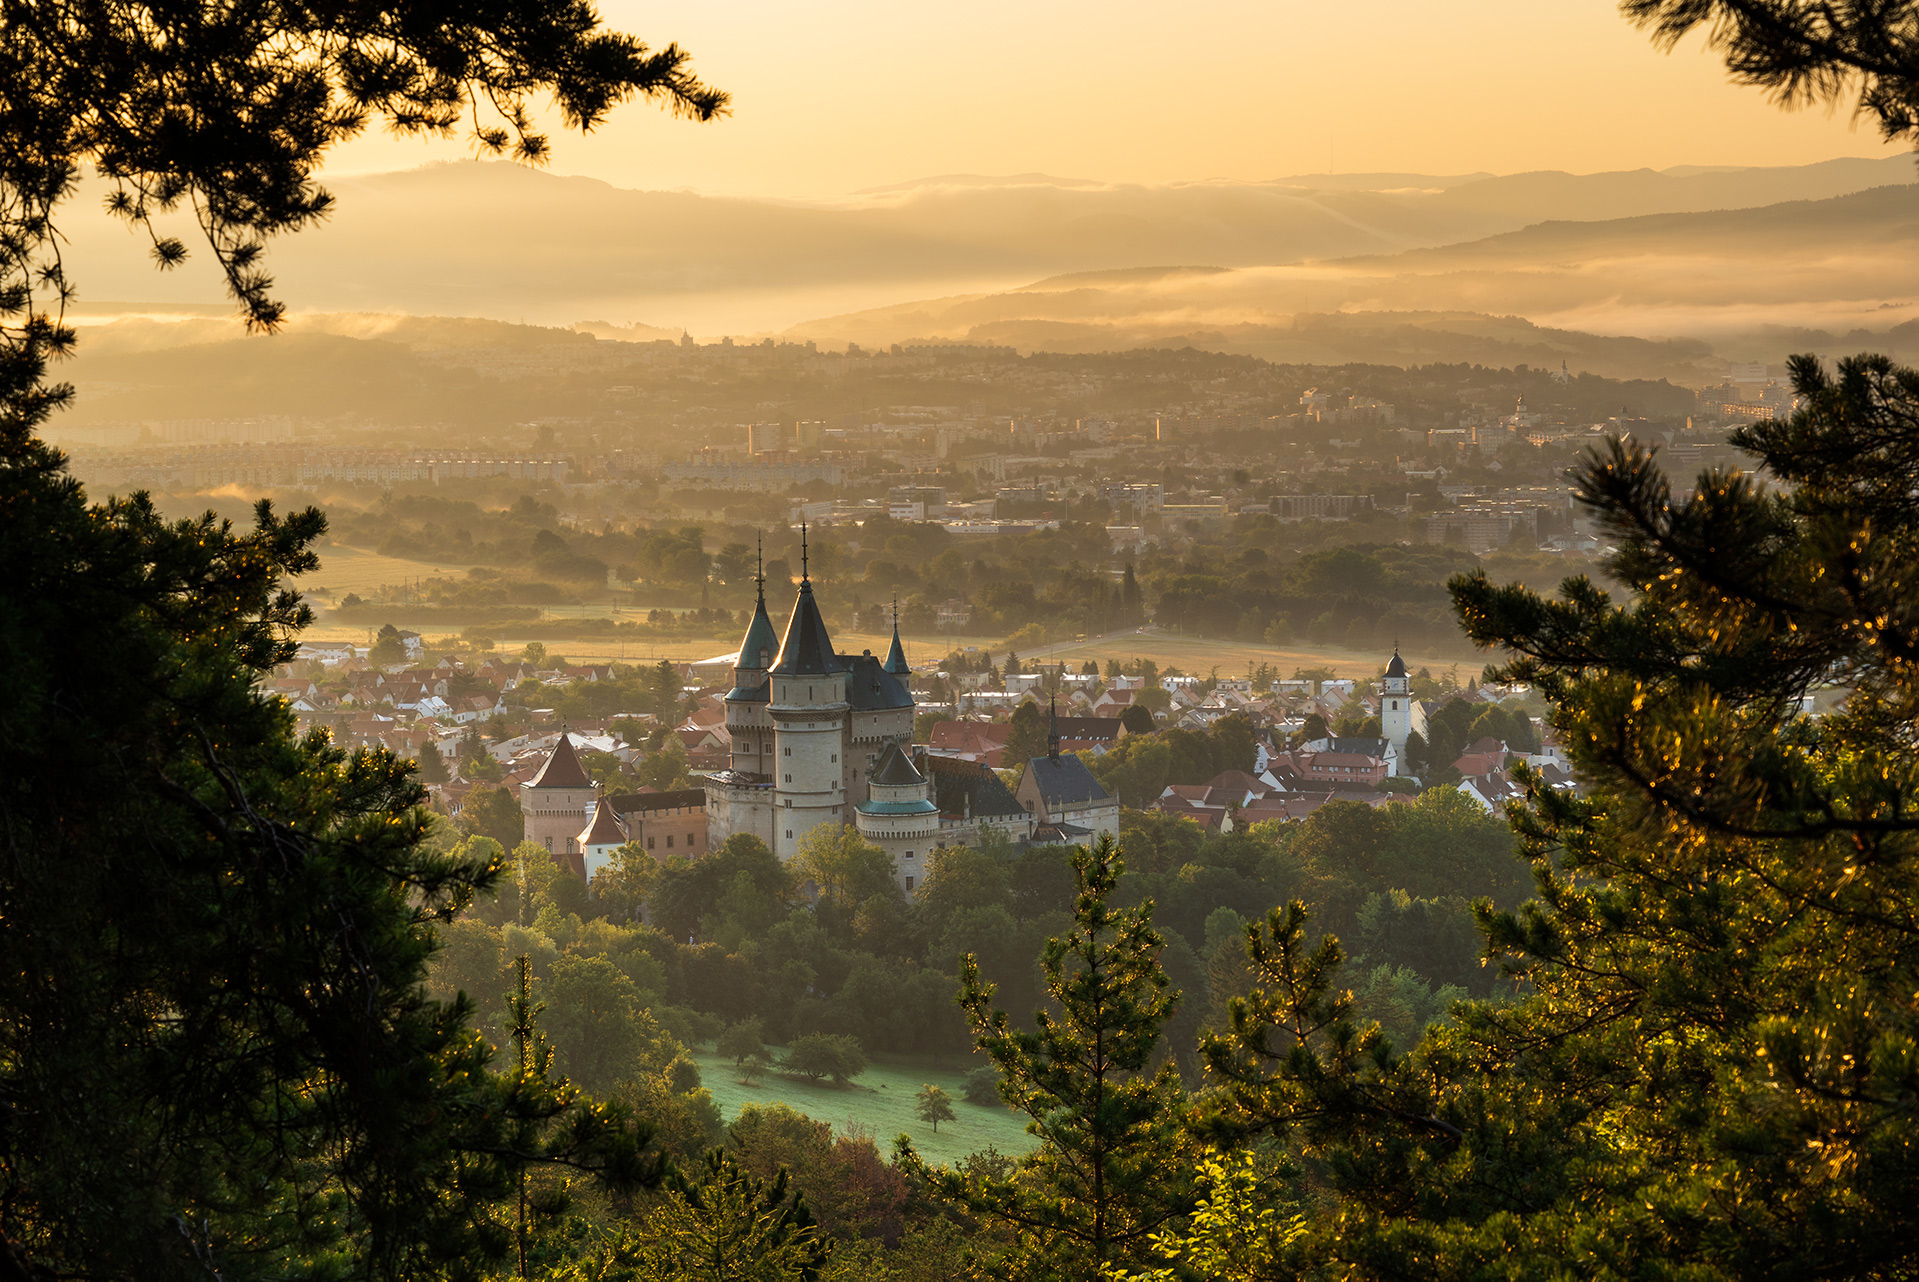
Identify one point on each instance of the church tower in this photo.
(1396, 704)
(808, 706)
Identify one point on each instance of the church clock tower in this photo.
(1396, 704)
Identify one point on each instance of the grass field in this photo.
(358, 570)
(878, 1102)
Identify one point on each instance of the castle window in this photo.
(789, 778)
(836, 758)
(909, 883)
(789, 834)
(786, 752)
(649, 843)
(669, 841)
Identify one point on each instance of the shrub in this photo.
(982, 1086)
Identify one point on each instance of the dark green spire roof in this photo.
(896, 657)
(760, 637)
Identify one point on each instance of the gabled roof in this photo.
(807, 649)
(1065, 780)
(869, 686)
(628, 803)
(963, 788)
(562, 769)
(894, 770)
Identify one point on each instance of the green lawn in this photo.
(880, 1101)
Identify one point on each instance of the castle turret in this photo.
(899, 816)
(554, 803)
(896, 657)
(747, 720)
(808, 706)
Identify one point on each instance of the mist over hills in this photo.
(501, 241)
(1739, 284)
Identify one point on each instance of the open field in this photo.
(346, 569)
(880, 1100)
(1198, 656)
(349, 569)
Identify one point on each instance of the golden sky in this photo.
(834, 96)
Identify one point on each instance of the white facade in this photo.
(808, 727)
(1396, 706)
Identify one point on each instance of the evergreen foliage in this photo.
(1713, 1073)
(1108, 1173)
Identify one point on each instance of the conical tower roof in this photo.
(604, 830)
(562, 769)
(896, 657)
(807, 650)
(896, 769)
(760, 639)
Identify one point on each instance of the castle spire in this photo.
(759, 556)
(803, 574)
(896, 657)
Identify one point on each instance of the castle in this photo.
(809, 728)
(827, 738)
(818, 738)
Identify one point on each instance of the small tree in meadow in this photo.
(742, 1041)
(934, 1106)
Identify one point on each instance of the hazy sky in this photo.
(836, 95)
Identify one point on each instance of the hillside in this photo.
(1744, 283)
(501, 241)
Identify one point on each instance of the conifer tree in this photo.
(1714, 1073)
(216, 1053)
(1112, 1167)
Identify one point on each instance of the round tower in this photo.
(808, 706)
(899, 816)
(747, 720)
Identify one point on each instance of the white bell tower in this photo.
(1396, 704)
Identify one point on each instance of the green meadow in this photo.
(878, 1103)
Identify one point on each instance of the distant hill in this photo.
(1752, 283)
(501, 241)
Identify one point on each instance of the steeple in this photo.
(1397, 668)
(760, 643)
(896, 657)
(807, 649)
(1052, 728)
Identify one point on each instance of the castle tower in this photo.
(808, 705)
(747, 719)
(554, 804)
(899, 816)
(1396, 704)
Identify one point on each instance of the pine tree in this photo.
(1113, 1166)
(1714, 1071)
(217, 1055)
